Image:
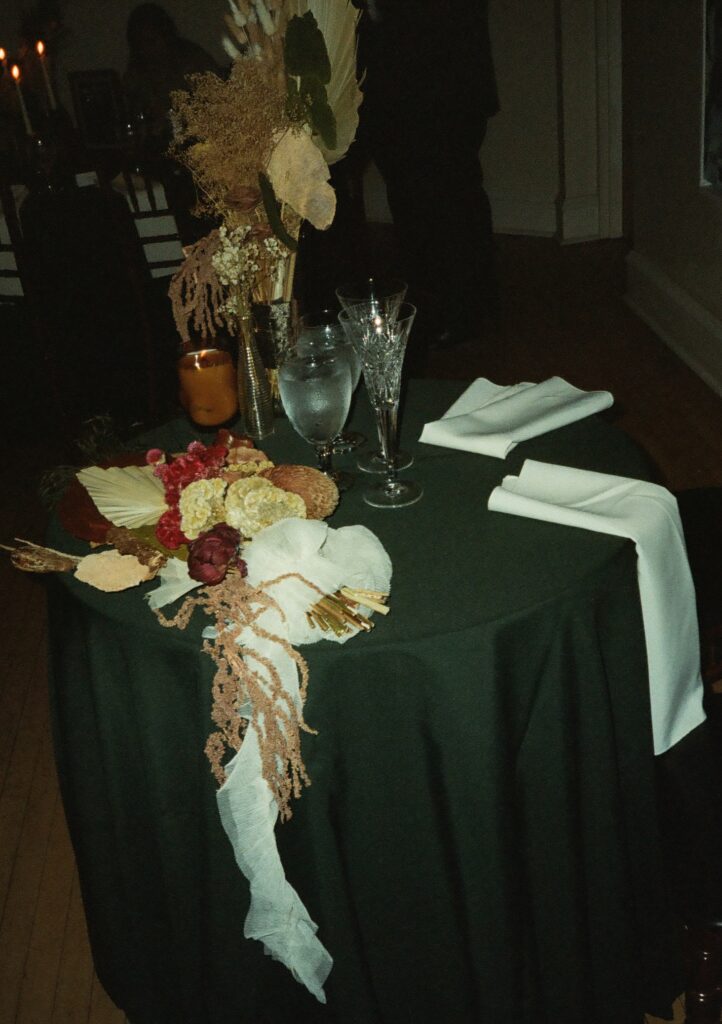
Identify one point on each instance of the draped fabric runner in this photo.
(647, 514)
(489, 419)
(328, 559)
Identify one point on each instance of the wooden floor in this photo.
(563, 314)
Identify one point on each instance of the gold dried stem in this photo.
(368, 598)
(288, 280)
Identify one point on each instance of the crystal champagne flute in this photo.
(381, 341)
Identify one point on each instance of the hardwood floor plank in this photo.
(40, 976)
(22, 887)
(102, 1009)
(32, 733)
(24, 659)
(75, 971)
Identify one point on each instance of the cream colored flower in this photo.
(254, 504)
(201, 506)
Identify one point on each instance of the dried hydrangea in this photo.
(254, 504)
(201, 506)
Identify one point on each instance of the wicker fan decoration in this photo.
(128, 496)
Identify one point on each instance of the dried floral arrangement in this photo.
(259, 146)
(227, 532)
(201, 507)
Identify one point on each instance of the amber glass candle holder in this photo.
(208, 391)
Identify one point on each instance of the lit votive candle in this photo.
(208, 386)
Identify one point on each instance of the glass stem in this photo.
(324, 454)
(387, 422)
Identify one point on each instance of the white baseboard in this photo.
(690, 330)
(511, 213)
(580, 218)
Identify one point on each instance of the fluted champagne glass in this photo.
(382, 295)
(381, 341)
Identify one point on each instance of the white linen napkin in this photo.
(648, 514)
(490, 419)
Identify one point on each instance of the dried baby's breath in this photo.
(226, 130)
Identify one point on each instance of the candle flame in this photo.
(40, 47)
(15, 72)
(3, 55)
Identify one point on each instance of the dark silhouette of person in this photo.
(429, 90)
(159, 62)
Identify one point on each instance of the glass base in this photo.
(393, 494)
(349, 441)
(373, 462)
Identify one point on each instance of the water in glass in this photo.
(316, 393)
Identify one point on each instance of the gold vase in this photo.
(254, 392)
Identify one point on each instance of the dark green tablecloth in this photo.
(479, 843)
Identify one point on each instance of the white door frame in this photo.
(589, 205)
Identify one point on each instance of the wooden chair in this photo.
(11, 254)
(86, 278)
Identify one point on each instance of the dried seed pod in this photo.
(35, 558)
(319, 492)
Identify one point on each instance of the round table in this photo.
(480, 840)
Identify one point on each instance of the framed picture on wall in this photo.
(98, 106)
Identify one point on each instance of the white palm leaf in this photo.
(337, 20)
(128, 496)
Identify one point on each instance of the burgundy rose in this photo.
(213, 553)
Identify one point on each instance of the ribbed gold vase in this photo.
(254, 391)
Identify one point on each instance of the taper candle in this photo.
(40, 50)
(15, 72)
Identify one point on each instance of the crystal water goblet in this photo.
(315, 388)
(381, 341)
(322, 330)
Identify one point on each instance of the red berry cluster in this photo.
(201, 463)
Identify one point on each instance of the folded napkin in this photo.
(648, 514)
(489, 419)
